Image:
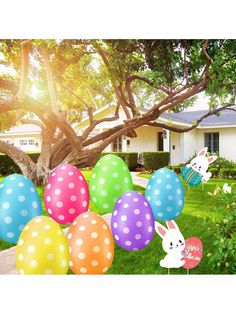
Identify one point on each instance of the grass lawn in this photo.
(197, 219)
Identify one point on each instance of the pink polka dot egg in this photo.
(66, 194)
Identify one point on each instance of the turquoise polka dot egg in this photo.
(19, 203)
(165, 194)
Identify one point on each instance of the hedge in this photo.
(7, 165)
(155, 160)
(176, 169)
(130, 158)
(228, 173)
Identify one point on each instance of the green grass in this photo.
(197, 219)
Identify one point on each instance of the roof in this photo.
(23, 129)
(226, 118)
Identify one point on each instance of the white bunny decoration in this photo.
(173, 243)
(201, 163)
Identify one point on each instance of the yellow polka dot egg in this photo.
(42, 248)
(91, 244)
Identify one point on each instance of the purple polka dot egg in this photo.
(132, 221)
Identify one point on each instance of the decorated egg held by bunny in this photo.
(173, 243)
(196, 172)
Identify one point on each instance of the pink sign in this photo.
(192, 252)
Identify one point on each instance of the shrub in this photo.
(176, 169)
(155, 160)
(215, 172)
(222, 163)
(130, 158)
(7, 165)
(228, 173)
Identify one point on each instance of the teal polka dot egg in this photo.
(19, 203)
(165, 194)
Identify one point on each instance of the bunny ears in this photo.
(203, 152)
(161, 230)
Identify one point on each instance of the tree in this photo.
(74, 76)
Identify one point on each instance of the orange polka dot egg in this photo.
(42, 248)
(91, 244)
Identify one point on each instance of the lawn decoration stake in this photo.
(196, 172)
(192, 253)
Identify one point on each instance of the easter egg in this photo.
(19, 203)
(165, 194)
(132, 221)
(66, 194)
(190, 176)
(192, 252)
(42, 248)
(91, 244)
(109, 180)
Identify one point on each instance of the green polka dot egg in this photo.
(110, 178)
(42, 248)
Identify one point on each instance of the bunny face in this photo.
(201, 162)
(172, 239)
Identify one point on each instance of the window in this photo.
(117, 145)
(23, 142)
(212, 142)
(31, 141)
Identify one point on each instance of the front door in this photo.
(160, 141)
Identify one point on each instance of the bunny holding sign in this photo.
(196, 172)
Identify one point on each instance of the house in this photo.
(218, 133)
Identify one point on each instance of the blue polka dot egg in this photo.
(165, 194)
(19, 203)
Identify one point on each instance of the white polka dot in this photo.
(177, 214)
(104, 227)
(82, 228)
(145, 204)
(21, 227)
(126, 230)
(94, 263)
(136, 211)
(21, 198)
(70, 173)
(93, 187)
(115, 174)
(180, 203)
(119, 201)
(79, 242)
(9, 191)
(94, 235)
(128, 194)
(10, 235)
(128, 243)
(8, 220)
(81, 256)
(104, 193)
(160, 215)
(158, 203)
(117, 187)
(21, 242)
(61, 248)
(102, 181)
(31, 248)
(5, 205)
(162, 171)
(47, 227)
(109, 255)
(93, 221)
(63, 168)
(38, 220)
(57, 192)
(94, 199)
(49, 211)
(59, 204)
(117, 237)
(169, 208)
(167, 176)
(86, 215)
(115, 212)
(104, 168)
(48, 198)
(105, 205)
(20, 184)
(115, 225)
(159, 181)
(20, 257)
(126, 205)
(47, 241)
(1, 186)
(94, 175)
(61, 217)
(84, 203)
(63, 263)
(12, 178)
(177, 180)
(71, 185)
(107, 241)
(73, 198)
(32, 190)
(83, 270)
(96, 249)
(156, 192)
(60, 179)
(149, 198)
(82, 191)
(71, 211)
(50, 256)
(135, 199)
(178, 191)
(126, 180)
(123, 218)
(146, 242)
(139, 223)
(105, 269)
(150, 229)
(49, 186)
(170, 197)
(35, 204)
(168, 186)
(81, 178)
(148, 216)
(48, 271)
(33, 264)
(138, 236)
(34, 234)
(26, 228)
(149, 187)
(71, 263)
